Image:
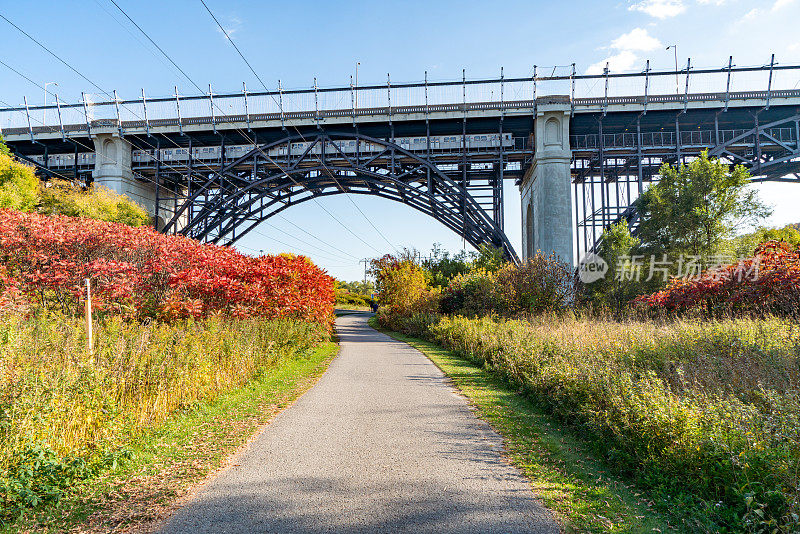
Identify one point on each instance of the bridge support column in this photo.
(112, 169)
(545, 188)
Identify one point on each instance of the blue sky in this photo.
(296, 41)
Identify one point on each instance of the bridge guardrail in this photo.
(498, 94)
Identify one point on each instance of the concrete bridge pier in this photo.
(546, 193)
(113, 169)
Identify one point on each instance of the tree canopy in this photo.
(97, 202)
(19, 186)
(21, 190)
(694, 207)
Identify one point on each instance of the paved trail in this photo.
(381, 444)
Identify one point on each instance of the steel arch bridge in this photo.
(190, 159)
(223, 206)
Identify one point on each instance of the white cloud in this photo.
(234, 23)
(754, 13)
(637, 39)
(623, 61)
(715, 2)
(781, 4)
(626, 47)
(660, 9)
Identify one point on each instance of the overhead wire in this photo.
(76, 71)
(230, 40)
(323, 252)
(47, 168)
(155, 150)
(55, 95)
(310, 234)
(326, 254)
(185, 75)
(266, 156)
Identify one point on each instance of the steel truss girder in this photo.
(234, 198)
(765, 166)
(768, 157)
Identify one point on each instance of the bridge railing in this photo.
(701, 138)
(427, 96)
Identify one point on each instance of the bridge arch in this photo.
(224, 205)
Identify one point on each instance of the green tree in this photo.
(361, 288)
(489, 259)
(744, 246)
(615, 248)
(442, 267)
(694, 207)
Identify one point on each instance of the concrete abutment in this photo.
(545, 188)
(113, 170)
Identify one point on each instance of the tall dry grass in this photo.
(53, 392)
(705, 414)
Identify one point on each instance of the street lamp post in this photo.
(44, 111)
(357, 64)
(677, 82)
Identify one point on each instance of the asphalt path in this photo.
(382, 443)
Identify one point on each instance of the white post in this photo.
(89, 336)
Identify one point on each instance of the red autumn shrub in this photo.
(137, 272)
(769, 282)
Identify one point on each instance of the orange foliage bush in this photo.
(769, 282)
(137, 272)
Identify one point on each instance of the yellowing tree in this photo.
(19, 187)
(62, 198)
(401, 283)
(21, 190)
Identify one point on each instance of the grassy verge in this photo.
(569, 479)
(183, 450)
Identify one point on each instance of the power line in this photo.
(225, 32)
(55, 95)
(313, 236)
(110, 14)
(29, 36)
(337, 256)
(155, 149)
(326, 255)
(157, 156)
(330, 257)
(238, 245)
(47, 169)
(155, 44)
(241, 131)
(70, 67)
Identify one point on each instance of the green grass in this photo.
(179, 452)
(569, 479)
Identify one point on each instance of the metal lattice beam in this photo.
(228, 203)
